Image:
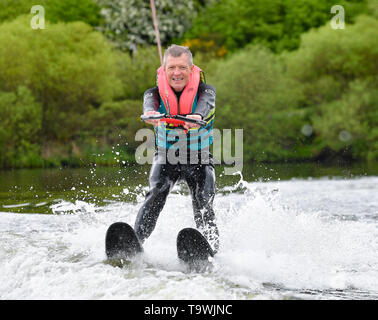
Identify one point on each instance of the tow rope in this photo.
(156, 27)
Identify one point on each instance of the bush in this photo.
(68, 67)
(343, 55)
(336, 70)
(351, 122)
(128, 23)
(55, 10)
(137, 71)
(86, 11)
(253, 93)
(276, 24)
(11, 9)
(20, 126)
(116, 121)
(109, 137)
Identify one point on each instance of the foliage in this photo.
(253, 93)
(336, 70)
(208, 47)
(298, 88)
(276, 24)
(351, 122)
(343, 55)
(115, 121)
(328, 85)
(55, 10)
(11, 9)
(137, 71)
(21, 122)
(109, 134)
(129, 22)
(86, 11)
(68, 67)
(372, 8)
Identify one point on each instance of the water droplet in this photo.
(307, 130)
(345, 136)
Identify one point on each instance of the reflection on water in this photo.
(37, 190)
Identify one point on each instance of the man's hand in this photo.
(189, 125)
(154, 122)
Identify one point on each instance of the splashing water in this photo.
(310, 239)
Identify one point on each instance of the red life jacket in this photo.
(187, 98)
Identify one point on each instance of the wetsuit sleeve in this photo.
(151, 100)
(206, 100)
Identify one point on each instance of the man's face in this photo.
(178, 71)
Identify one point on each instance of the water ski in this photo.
(121, 242)
(193, 249)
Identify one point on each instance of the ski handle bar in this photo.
(175, 120)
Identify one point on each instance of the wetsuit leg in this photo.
(161, 181)
(201, 182)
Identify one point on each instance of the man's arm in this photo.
(206, 100)
(151, 100)
(151, 104)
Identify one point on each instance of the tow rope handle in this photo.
(176, 120)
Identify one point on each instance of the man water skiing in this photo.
(181, 91)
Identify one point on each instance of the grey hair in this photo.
(176, 51)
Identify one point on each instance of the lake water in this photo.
(287, 232)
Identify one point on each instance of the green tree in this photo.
(349, 124)
(86, 11)
(20, 126)
(115, 121)
(138, 71)
(69, 68)
(55, 10)
(276, 24)
(11, 9)
(336, 71)
(129, 22)
(253, 93)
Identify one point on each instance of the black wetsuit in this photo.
(199, 177)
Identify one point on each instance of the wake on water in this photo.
(310, 239)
